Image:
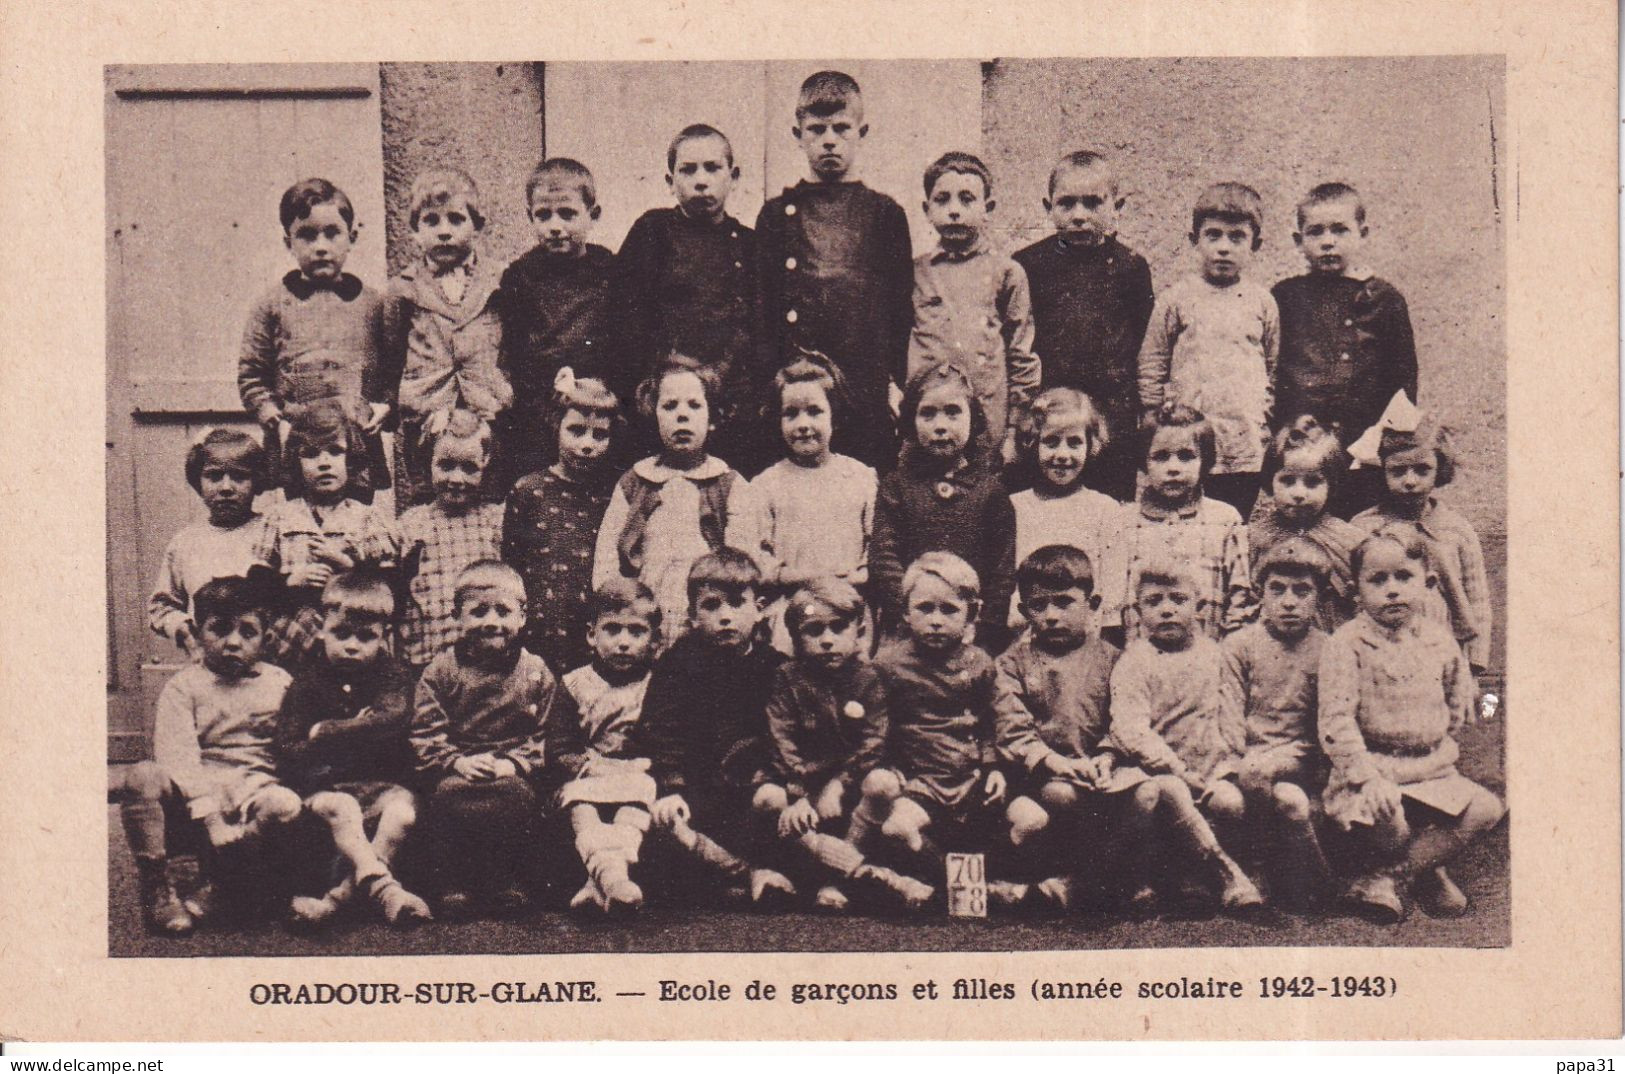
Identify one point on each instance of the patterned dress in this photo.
(548, 534)
(433, 546)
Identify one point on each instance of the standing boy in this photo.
(970, 304)
(553, 304)
(450, 358)
(1346, 342)
(1212, 342)
(837, 270)
(685, 279)
(1091, 299)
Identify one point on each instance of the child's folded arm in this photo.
(1339, 716)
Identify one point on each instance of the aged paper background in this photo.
(1560, 977)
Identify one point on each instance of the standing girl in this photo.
(945, 496)
(1063, 432)
(813, 511)
(1416, 462)
(676, 506)
(322, 527)
(551, 523)
(1302, 472)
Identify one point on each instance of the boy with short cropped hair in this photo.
(211, 747)
(1271, 677)
(449, 352)
(685, 278)
(1091, 300)
(319, 333)
(704, 729)
(494, 738)
(971, 304)
(1213, 341)
(554, 303)
(837, 268)
(341, 742)
(1346, 340)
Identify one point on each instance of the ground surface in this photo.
(1482, 873)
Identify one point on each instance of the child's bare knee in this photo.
(1224, 800)
(1291, 802)
(1058, 794)
(770, 798)
(398, 808)
(279, 805)
(629, 816)
(1027, 818)
(335, 807)
(882, 783)
(143, 782)
(1148, 795)
(1483, 812)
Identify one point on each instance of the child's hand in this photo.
(667, 811)
(474, 769)
(829, 800)
(1007, 450)
(995, 787)
(894, 398)
(332, 553)
(436, 423)
(504, 768)
(376, 413)
(268, 415)
(222, 833)
(1385, 798)
(313, 573)
(317, 729)
(799, 819)
(185, 642)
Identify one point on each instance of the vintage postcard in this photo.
(814, 521)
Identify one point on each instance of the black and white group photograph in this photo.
(989, 504)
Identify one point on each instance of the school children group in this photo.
(1060, 626)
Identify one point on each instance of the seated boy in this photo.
(1167, 718)
(553, 304)
(494, 737)
(1053, 692)
(828, 720)
(609, 802)
(211, 749)
(971, 305)
(944, 770)
(837, 268)
(704, 730)
(1271, 677)
(341, 743)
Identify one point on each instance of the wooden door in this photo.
(197, 159)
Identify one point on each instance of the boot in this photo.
(400, 906)
(160, 906)
(912, 893)
(1439, 894)
(1236, 889)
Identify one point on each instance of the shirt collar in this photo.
(945, 253)
(1157, 513)
(652, 470)
(301, 286)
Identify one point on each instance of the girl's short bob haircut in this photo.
(1180, 416)
(837, 594)
(1409, 540)
(228, 447)
(947, 568)
(324, 423)
(1308, 440)
(1428, 435)
(1062, 406)
(812, 367)
(933, 376)
(585, 395)
(648, 393)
